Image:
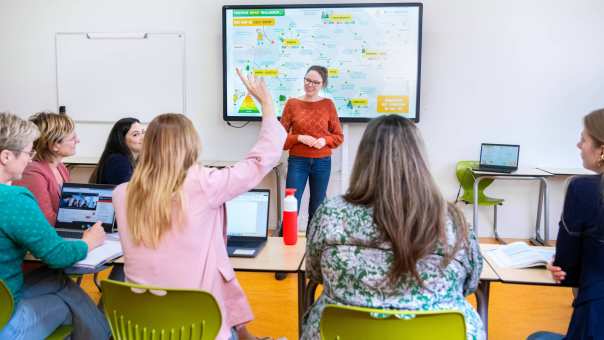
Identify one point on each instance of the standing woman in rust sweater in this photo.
(313, 129)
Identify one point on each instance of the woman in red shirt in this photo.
(313, 129)
(45, 176)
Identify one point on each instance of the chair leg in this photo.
(495, 225)
(97, 282)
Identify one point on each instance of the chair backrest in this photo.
(466, 180)
(145, 312)
(6, 304)
(348, 322)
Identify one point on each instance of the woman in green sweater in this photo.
(44, 299)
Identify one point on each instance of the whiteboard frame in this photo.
(121, 35)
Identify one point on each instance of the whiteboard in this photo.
(102, 77)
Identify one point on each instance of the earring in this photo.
(601, 161)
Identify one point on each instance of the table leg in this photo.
(482, 304)
(279, 192)
(475, 205)
(301, 299)
(538, 239)
(545, 212)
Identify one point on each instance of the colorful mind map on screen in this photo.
(371, 53)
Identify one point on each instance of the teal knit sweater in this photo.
(23, 228)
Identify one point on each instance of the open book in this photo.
(521, 255)
(108, 251)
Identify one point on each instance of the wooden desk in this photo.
(518, 175)
(274, 257)
(527, 276)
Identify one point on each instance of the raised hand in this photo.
(256, 87)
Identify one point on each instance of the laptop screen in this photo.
(82, 205)
(247, 214)
(499, 155)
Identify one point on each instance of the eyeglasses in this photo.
(312, 82)
(31, 153)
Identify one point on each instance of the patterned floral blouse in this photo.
(346, 255)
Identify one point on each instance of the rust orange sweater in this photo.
(317, 119)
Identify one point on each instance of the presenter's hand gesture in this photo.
(557, 274)
(257, 88)
(306, 139)
(94, 236)
(319, 143)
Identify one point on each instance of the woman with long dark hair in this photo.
(121, 152)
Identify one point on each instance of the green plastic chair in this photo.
(466, 182)
(7, 305)
(146, 312)
(348, 323)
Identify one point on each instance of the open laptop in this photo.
(81, 205)
(498, 157)
(247, 223)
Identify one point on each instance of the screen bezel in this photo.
(72, 226)
(228, 118)
(268, 217)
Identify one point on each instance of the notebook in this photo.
(81, 206)
(247, 223)
(498, 157)
(109, 250)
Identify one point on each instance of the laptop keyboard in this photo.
(70, 234)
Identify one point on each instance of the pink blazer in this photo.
(38, 178)
(193, 255)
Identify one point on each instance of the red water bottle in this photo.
(290, 217)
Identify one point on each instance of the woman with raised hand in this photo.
(121, 151)
(392, 241)
(171, 215)
(45, 176)
(579, 260)
(44, 299)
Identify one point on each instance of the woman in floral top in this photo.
(392, 241)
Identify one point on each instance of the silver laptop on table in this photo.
(81, 206)
(247, 223)
(498, 157)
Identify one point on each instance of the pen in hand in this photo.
(94, 236)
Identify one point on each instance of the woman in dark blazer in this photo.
(121, 151)
(579, 260)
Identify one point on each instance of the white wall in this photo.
(501, 71)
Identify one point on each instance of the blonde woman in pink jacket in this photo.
(171, 214)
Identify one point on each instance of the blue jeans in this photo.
(49, 300)
(314, 170)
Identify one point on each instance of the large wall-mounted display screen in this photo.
(372, 53)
